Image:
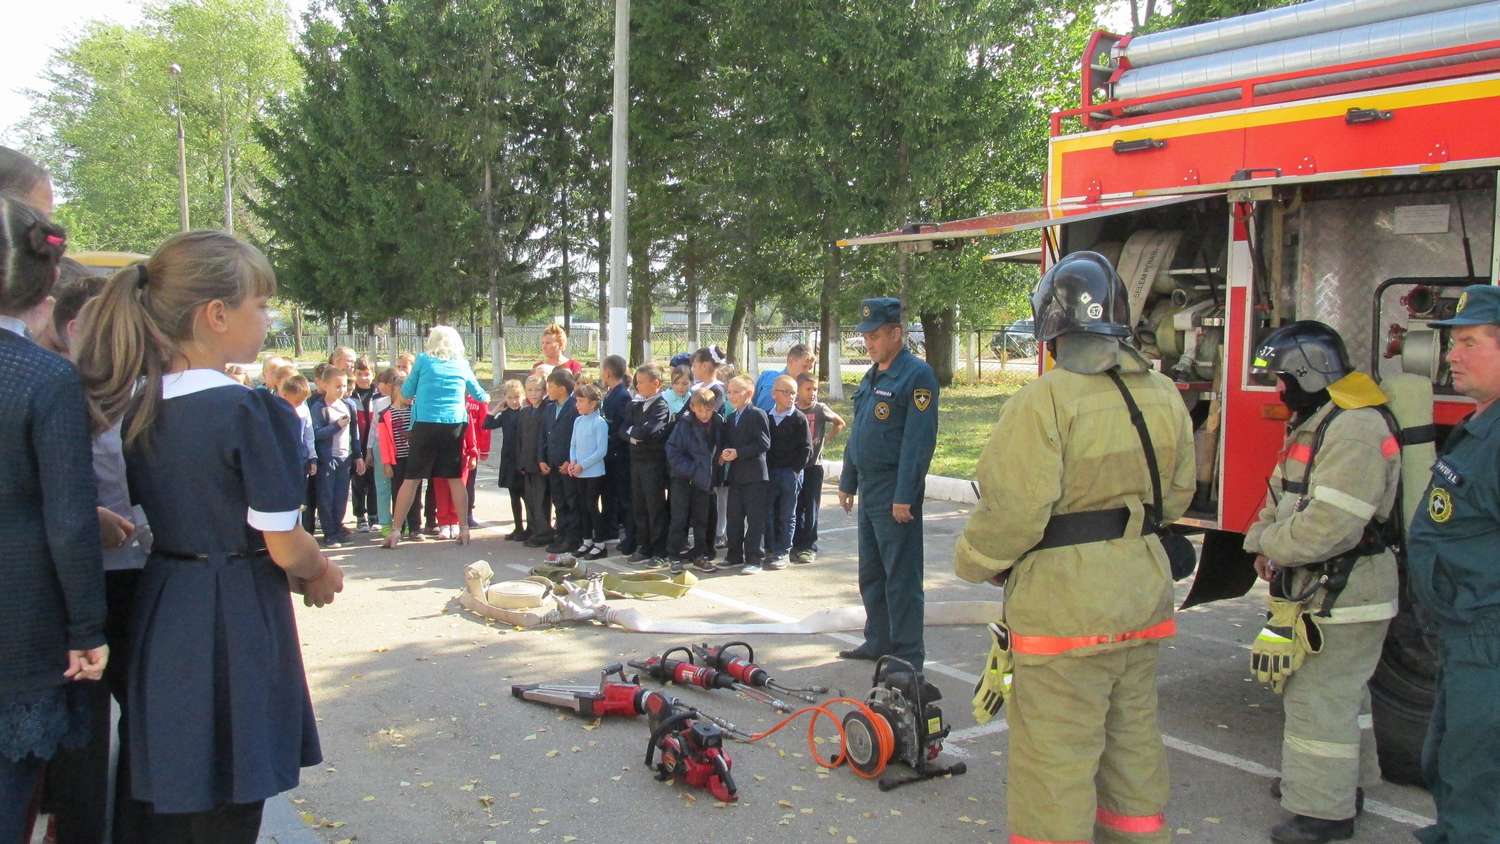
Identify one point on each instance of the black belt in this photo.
(1085, 527)
(232, 555)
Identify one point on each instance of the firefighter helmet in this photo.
(1081, 292)
(1307, 352)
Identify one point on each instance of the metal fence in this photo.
(1002, 344)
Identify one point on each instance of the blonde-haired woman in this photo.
(436, 386)
(554, 347)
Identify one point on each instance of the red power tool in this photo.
(747, 672)
(690, 749)
(664, 669)
(608, 698)
(691, 742)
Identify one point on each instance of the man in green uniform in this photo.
(885, 464)
(1453, 566)
(1066, 522)
(1331, 493)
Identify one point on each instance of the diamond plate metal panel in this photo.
(1349, 246)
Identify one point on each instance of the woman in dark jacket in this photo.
(51, 570)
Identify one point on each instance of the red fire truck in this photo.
(1333, 160)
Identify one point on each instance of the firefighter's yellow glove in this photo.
(1290, 634)
(995, 680)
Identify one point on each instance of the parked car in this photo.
(783, 344)
(1017, 340)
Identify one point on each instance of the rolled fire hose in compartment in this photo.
(1178, 318)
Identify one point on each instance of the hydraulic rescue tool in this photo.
(747, 672)
(665, 669)
(623, 697)
(690, 742)
(690, 749)
(900, 722)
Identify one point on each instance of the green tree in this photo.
(106, 121)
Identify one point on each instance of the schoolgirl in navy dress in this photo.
(219, 716)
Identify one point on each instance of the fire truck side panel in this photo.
(1250, 441)
(1418, 134)
(1088, 169)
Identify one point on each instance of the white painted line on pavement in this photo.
(1374, 807)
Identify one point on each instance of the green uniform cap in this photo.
(876, 312)
(1479, 304)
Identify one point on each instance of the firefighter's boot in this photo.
(1301, 829)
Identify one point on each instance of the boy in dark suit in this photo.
(557, 439)
(336, 435)
(747, 437)
(646, 430)
(617, 495)
(529, 457)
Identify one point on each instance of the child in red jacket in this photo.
(476, 448)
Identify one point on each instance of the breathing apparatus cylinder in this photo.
(1411, 403)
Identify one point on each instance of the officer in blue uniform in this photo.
(1454, 574)
(885, 464)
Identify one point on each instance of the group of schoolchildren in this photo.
(354, 446)
(672, 468)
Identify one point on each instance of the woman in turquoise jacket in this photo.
(436, 386)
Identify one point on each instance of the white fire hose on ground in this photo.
(530, 603)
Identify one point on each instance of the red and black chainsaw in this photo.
(691, 742)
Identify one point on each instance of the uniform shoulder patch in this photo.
(921, 398)
(1439, 505)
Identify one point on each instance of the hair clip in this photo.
(56, 240)
(141, 278)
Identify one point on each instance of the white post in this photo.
(619, 162)
(835, 360)
(973, 357)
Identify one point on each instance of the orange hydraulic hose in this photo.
(885, 740)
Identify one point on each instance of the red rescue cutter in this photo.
(690, 742)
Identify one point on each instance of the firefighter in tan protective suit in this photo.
(1066, 524)
(1334, 486)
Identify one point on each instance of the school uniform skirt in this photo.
(218, 705)
(436, 450)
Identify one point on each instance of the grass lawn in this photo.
(966, 412)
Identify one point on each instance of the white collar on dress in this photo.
(190, 381)
(14, 326)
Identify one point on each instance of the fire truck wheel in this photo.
(1401, 696)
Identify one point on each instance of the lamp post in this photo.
(619, 162)
(182, 194)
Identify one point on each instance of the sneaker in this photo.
(430, 530)
(384, 531)
(517, 536)
(704, 565)
(751, 568)
(596, 553)
(330, 542)
(678, 567)
(776, 563)
(803, 557)
(731, 564)
(639, 557)
(655, 563)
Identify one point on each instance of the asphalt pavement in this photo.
(424, 743)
